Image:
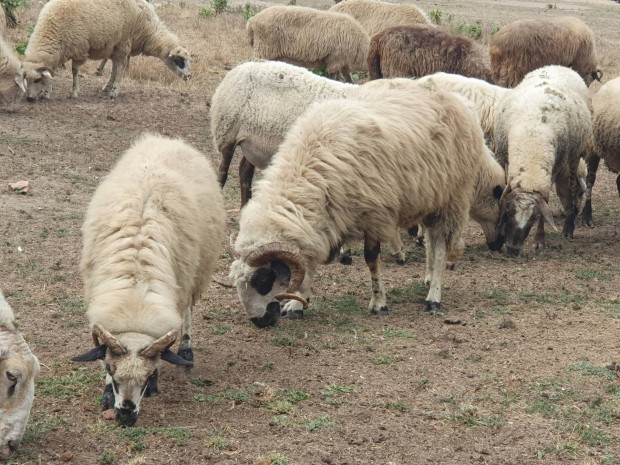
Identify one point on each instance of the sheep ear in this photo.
(96, 353)
(546, 212)
(19, 80)
(45, 71)
(170, 357)
(497, 192)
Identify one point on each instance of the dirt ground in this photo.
(513, 373)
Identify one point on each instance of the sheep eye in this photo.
(11, 377)
(38, 80)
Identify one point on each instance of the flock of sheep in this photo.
(341, 162)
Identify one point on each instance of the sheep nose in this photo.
(14, 444)
(271, 316)
(30, 99)
(126, 417)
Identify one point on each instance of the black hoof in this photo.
(346, 260)
(383, 311)
(294, 315)
(401, 261)
(433, 307)
(586, 214)
(107, 399)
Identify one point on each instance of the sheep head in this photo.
(39, 81)
(18, 370)
(519, 210)
(178, 60)
(11, 93)
(131, 362)
(265, 276)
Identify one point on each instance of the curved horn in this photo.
(598, 75)
(287, 296)
(161, 344)
(284, 252)
(222, 281)
(103, 336)
(230, 247)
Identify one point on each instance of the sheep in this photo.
(19, 368)
(12, 77)
(2, 21)
(347, 168)
(605, 139)
(309, 37)
(375, 16)
(423, 49)
(542, 128)
(525, 45)
(80, 30)
(151, 239)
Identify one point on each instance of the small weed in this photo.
(280, 406)
(384, 360)
(201, 382)
(20, 47)
(61, 233)
(205, 12)
(400, 406)
(217, 443)
(248, 11)
(284, 341)
(319, 423)
(220, 329)
(413, 292)
(468, 415)
(179, 436)
(107, 458)
(586, 274)
(471, 30)
(267, 366)
(219, 6)
(67, 386)
(277, 458)
(320, 71)
(592, 370)
(435, 15)
(344, 304)
(397, 333)
(281, 421)
(293, 396)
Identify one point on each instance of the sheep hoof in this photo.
(432, 307)
(107, 399)
(346, 260)
(292, 314)
(401, 259)
(383, 311)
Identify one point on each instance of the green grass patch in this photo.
(234, 395)
(319, 423)
(68, 386)
(585, 367)
(220, 329)
(587, 274)
(415, 292)
(384, 360)
(398, 333)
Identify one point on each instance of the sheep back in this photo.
(528, 44)
(376, 16)
(151, 237)
(418, 50)
(606, 123)
(309, 37)
(257, 102)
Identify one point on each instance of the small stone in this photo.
(20, 187)
(66, 457)
(108, 414)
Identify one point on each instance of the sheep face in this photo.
(11, 92)
(178, 61)
(131, 369)
(39, 81)
(519, 211)
(17, 374)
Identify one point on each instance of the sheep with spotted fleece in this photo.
(308, 37)
(542, 129)
(19, 368)
(528, 44)
(357, 167)
(152, 235)
(375, 16)
(81, 30)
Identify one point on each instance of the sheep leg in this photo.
(436, 254)
(586, 215)
(567, 189)
(185, 348)
(417, 231)
(345, 255)
(246, 173)
(372, 251)
(107, 399)
(618, 184)
(119, 62)
(99, 71)
(539, 239)
(227, 151)
(395, 244)
(75, 70)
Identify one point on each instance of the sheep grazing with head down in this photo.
(308, 37)
(421, 49)
(375, 16)
(18, 370)
(152, 236)
(605, 139)
(357, 167)
(528, 44)
(12, 77)
(81, 30)
(542, 129)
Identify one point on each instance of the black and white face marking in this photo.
(519, 214)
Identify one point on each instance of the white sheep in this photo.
(541, 130)
(605, 139)
(311, 38)
(152, 236)
(81, 30)
(19, 368)
(12, 77)
(357, 167)
(375, 16)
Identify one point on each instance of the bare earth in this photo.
(513, 373)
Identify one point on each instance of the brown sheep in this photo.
(419, 50)
(528, 44)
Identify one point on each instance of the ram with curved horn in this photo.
(18, 370)
(355, 168)
(152, 235)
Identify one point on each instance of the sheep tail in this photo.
(374, 61)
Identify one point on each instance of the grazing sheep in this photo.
(80, 30)
(525, 45)
(152, 235)
(357, 167)
(375, 16)
(12, 77)
(19, 368)
(605, 139)
(541, 130)
(311, 38)
(421, 49)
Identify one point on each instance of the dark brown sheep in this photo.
(419, 50)
(528, 44)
